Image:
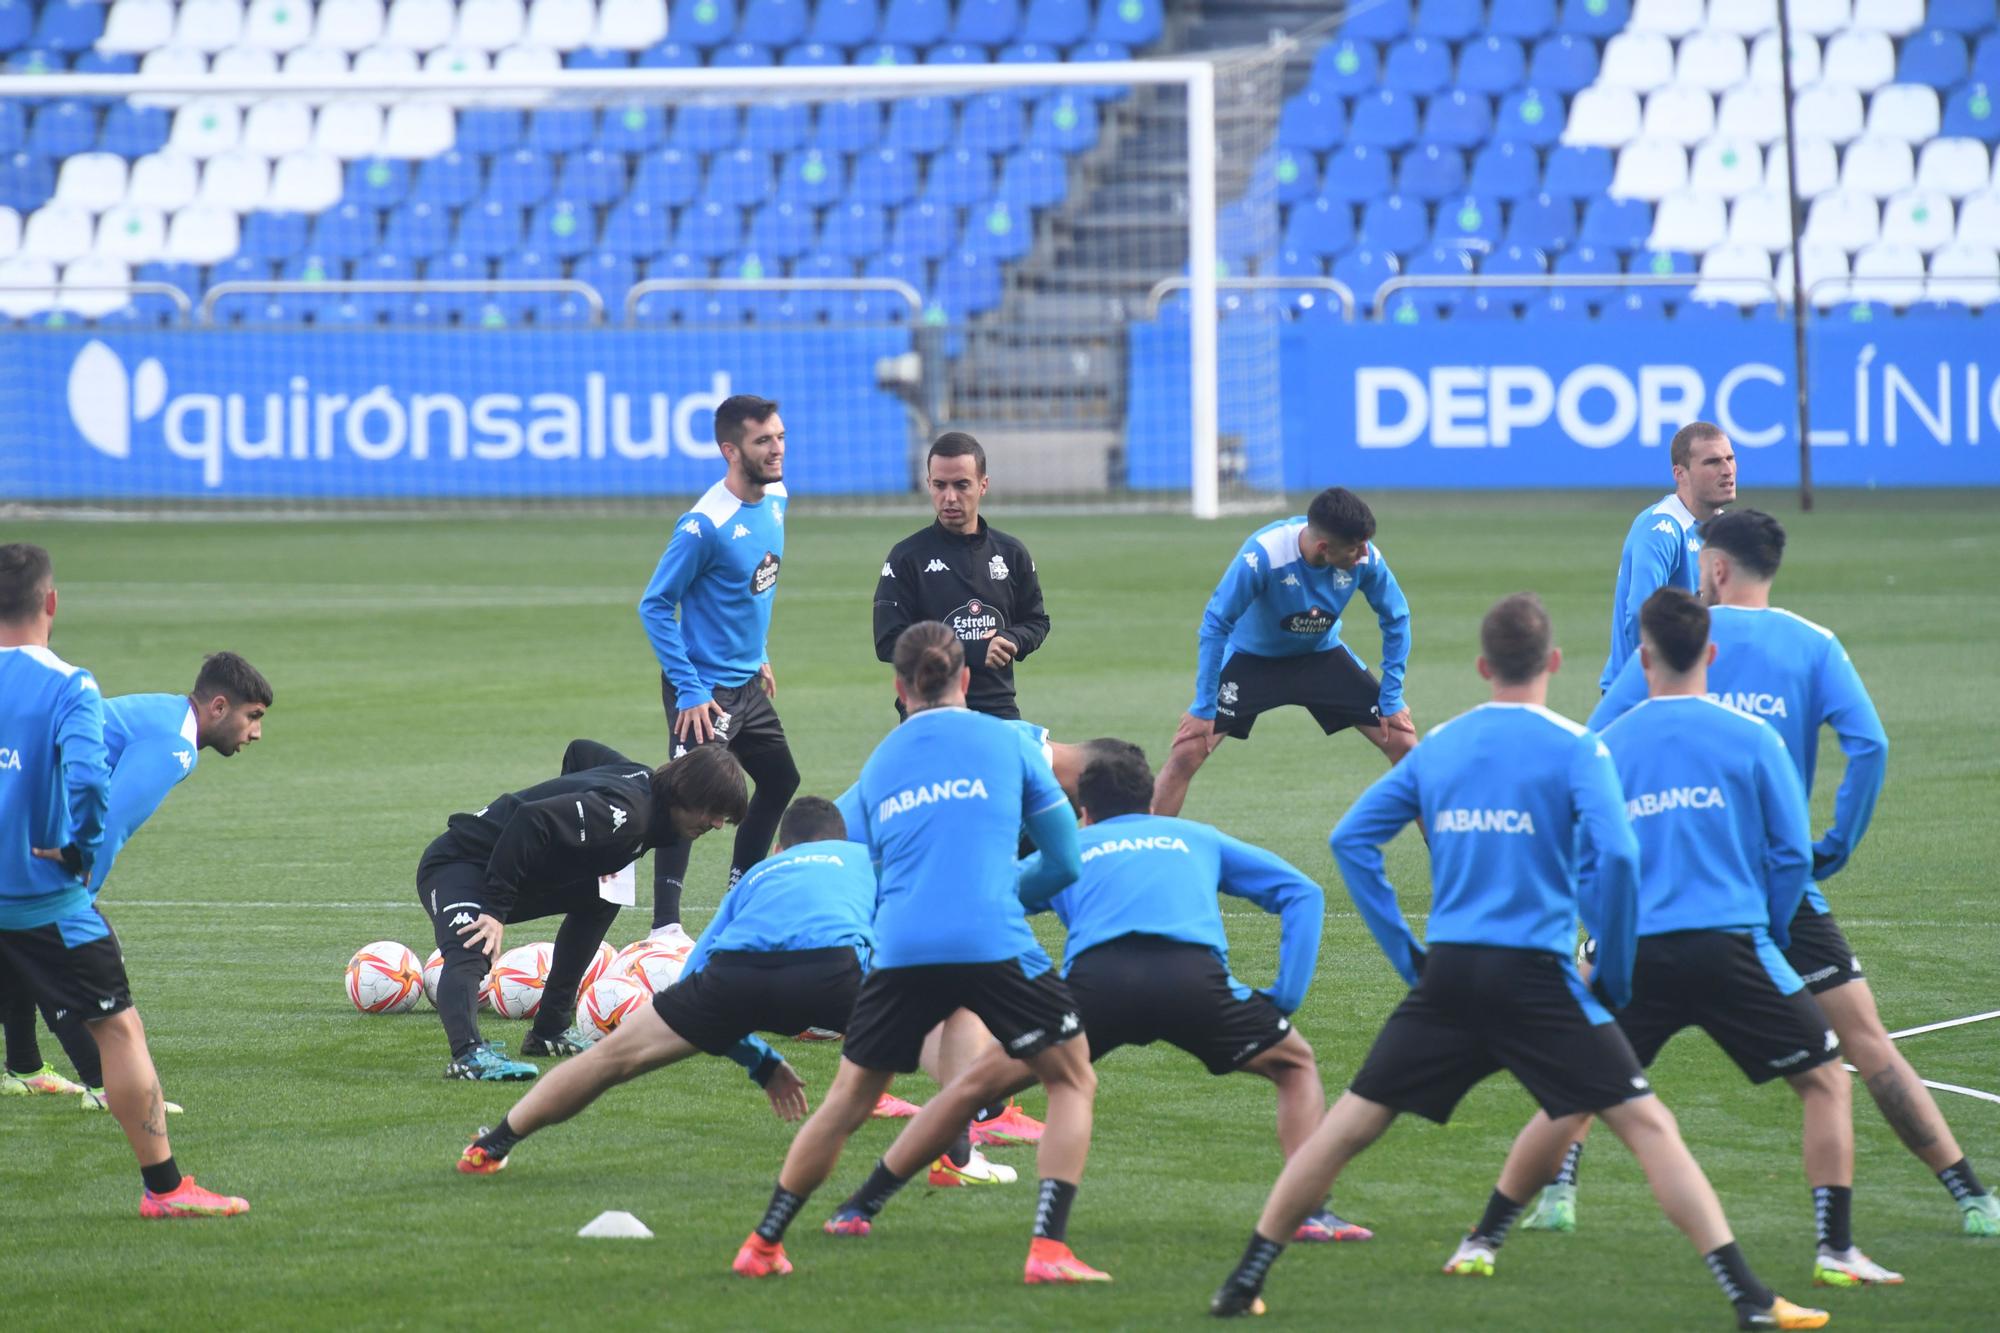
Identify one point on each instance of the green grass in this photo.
(422, 668)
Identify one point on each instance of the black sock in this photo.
(1733, 1275)
(162, 1177)
(875, 1191)
(500, 1140)
(986, 1113)
(24, 1051)
(960, 1151)
(784, 1207)
(1496, 1221)
(1052, 1210)
(1961, 1180)
(1255, 1265)
(1571, 1160)
(1833, 1215)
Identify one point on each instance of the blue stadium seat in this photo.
(632, 128)
(1384, 119)
(1101, 52)
(740, 178)
(1064, 123)
(991, 123)
(844, 22)
(561, 129)
(17, 23)
(1244, 231)
(104, 62)
(488, 129)
(1577, 172)
(849, 126)
(346, 231)
(1450, 20)
(1468, 222)
(1482, 306)
(919, 124)
(960, 177)
(1382, 22)
(1506, 170)
(1439, 261)
(1056, 22)
(636, 229)
(886, 176)
(378, 182)
(598, 57)
(592, 177)
(1543, 222)
(967, 285)
(1985, 60)
(1417, 65)
(35, 60)
(1933, 57)
(1962, 15)
(1035, 53)
(1493, 65)
(1617, 224)
(1356, 174)
(1708, 312)
(1034, 178)
(1638, 303)
(742, 55)
(670, 55)
(418, 229)
(69, 26)
(1294, 174)
(1346, 67)
(815, 54)
(925, 230)
(1321, 227)
(701, 128)
(454, 266)
(1661, 263)
(450, 180)
(1969, 114)
(820, 267)
(1459, 119)
(525, 266)
(1430, 172)
(522, 178)
(13, 127)
(134, 131)
(1514, 261)
(956, 53)
(1526, 19)
(914, 22)
(702, 22)
(1560, 305)
(63, 128)
(612, 275)
(774, 22)
(1530, 117)
(884, 307)
(854, 230)
(709, 230)
(274, 236)
(563, 227)
(161, 308)
(1363, 270)
(667, 178)
(1132, 23)
(488, 229)
(883, 53)
(1585, 260)
(1595, 18)
(777, 127)
(1312, 121)
(297, 307)
(1393, 223)
(813, 178)
(986, 22)
(1563, 63)
(26, 181)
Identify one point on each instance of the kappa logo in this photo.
(1228, 693)
(1639, 1082)
(778, 514)
(1250, 559)
(740, 531)
(887, 572)
(618, 817)
(1070, 1023)
(462, 919)
(1665, 525)
(996, 569)
(692, 528)
(1291, 580)
(1832, 1040)
(186, 757)
(936, 567)
(107, 1005)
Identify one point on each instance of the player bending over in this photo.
(540, 852)
(1271, 636)
(944, 797)
(55, 794)
(152, 742)
(1527, 830)
(785, 951)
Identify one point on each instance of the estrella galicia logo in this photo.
(765, 576)
(976, 620)
(1311, 622)
(105, 400)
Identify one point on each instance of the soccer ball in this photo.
(656, 968)
(433, 969)
(384, 978)
(611, 1001)
(517, 982)
(600, 966)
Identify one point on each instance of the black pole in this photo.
(1798, 266)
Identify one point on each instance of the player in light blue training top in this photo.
(1725, 857)
(1662, 545)
(707, 612)
(1271, 637)
(1797, 677)
(1527, 830)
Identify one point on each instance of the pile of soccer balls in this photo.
(386, 978)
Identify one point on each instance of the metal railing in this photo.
(1274, 282)
(1923, 281)
(407, 287)
(893, 286)
(166, 289)
(1559, 281)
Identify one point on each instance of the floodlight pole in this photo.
(1794, 210)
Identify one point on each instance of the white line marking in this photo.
(1944, 1087)
(1948, 1023)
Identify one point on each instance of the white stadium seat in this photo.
(1603, 118)
(200, 234)
(1761, 218)
(1955, 166)
(1674, 18)
(132, 235)
(630, 25)
(206, 126)
(1895, 17)
(1844, 218)
(1690, 222)
(528, 60)
(1979, 220)
(1922, 218)
(1735, 261)
(421, 25)
(27, 286)
(312, 62)
(1819, 167)
(561, 24)
(1827, 111)
(490, 25)
(93, 181)
(1755, 112)
(1821, 18)
(348, 129)
(418, 129)
(1726, 167)
(171, 62)
(1649, 169)
(1679, 113)
(1743, 18)
(455, 60)
(1715, 61)
(1860, 60)
(208, 25)
(1904, 111)
(1641, 61)
(348, 25)
(10, 231)
(278, 126)
(242, 60)
(1895, 275)
(1967, 274)
(102, 272)
(137, 26)
(1824, 265)
(165, 180)
(387, 61)
(239, 182)
(307, 182)
(58, 233)
(1877, 167)
(1766, 67)
(278, 25)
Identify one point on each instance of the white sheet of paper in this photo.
(621, 888)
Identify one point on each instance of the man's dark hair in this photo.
(1515, 638)
(957, 444)
(1341, 514)
(228, 674)
(25, 574)
(928, 658)
(1687, 437)
(812, 819)
(707, 779)
(733, 412)
(1115, 780)
(1674, 624)
(1750, 537)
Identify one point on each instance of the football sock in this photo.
(1959, 1178)
(500, 1140)
(582, 930)
(1733, 1275)
(24, 1052)
(1496, 1221)
(458, 999)
(960, 1151)
(876, 1191)
(776, 779)
(1255, 1265)
(1052, 1209)
(1833, 1213)
(161, 1177)
(81, 1047)
(986, 1113)
(784, 1207)
(1571, 1160)
(670, 866)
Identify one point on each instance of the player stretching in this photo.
(708, 614)
(1276, 616)
(54, 795)
(152, 742)
(1797, 677)
(784, 952)
(540, 852)
(945, 796)
(1662, 545)
(1527, 829)
(1725, 854)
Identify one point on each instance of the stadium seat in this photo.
(208, 26)
(1904, 112)
(1362, 271)
(1828, 111)
(450, 180)
(1688, 221)
(637, 228)
(167, 181)
(27, 286)
(1956, 167)
(1891, 274)
(1979, 220)
(59, 129)
(276, 126)
(991, 123)
(1965, 275)
(1673, 18)
(1640, 61)
(813, 178)
(741, 55)
(346, 231)
(886, 177)
(1417, 65)
(844, 22)
(1894, 17)
(1505, 170)
(1321, 228)
(1603, 117)
(91, 181)
(417, 130)
(1969, 114)
(1458, 119)
(1530, 117)
(1725, 167)
(740, 178)
(1437, 262)
(635, 129)
(1525, 19)
(26, 179)
(630, 25)
(1711, 61)
(135, 26)
(1819, 167)
(1650, 169)
(522, 178)
(1824, 269)
(1355, 174)
(1393, 223)
(563, 227)
(1617, 224)
(1429, 173)
(1576, 171)
(959, 177)
(1767, 62)
(1877, 167)
(1563, 63)
(669, 55)
(200, 234)
(1346, 68)
(1034, 178)
(1064, 123)
(1924, 219)
(777, 127)
(488, 229)
(1543, 223)
(1739, 275)
(1680, 114)
(848, 126)
(1057, 23)
(1467, 222)
(924, 230)
(1843, 218)
(305, 62)
(592, 177)
(134, 131)
(348, 25)
(704, 128)
(348, 129)
(967, 285)
(419, 25)
(986, 22)
(58, 233)
(598, 57)
(1594, 18)
(236, 181)
(1492, 65)
(1986, 60)
(1384, 119)
(1312, 121)
(1131, 23)
(916, 23)
(1858, 59)
(1761, 218)
(880, 53)
(562, 129)
(919, 124)
(1752, 113)
(275, 236)
(1818, 18)
(1934, 58)
(703, 23)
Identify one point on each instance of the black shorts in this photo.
(1723, 983)
(1479, 1010)
(749, 722)
(739, 992)
(1142, 989)
(1819, 953)
(72, 966)
(453, 894)
(899, 1006)
(1333, 686)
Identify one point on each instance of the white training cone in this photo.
(617, 1225)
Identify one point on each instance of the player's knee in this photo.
(1823, 1081)
(1070, 1070)
(122, 1027)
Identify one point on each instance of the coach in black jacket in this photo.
(977, 580)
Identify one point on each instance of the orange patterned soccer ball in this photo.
(384, 978)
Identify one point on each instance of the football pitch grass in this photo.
(424, 667)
